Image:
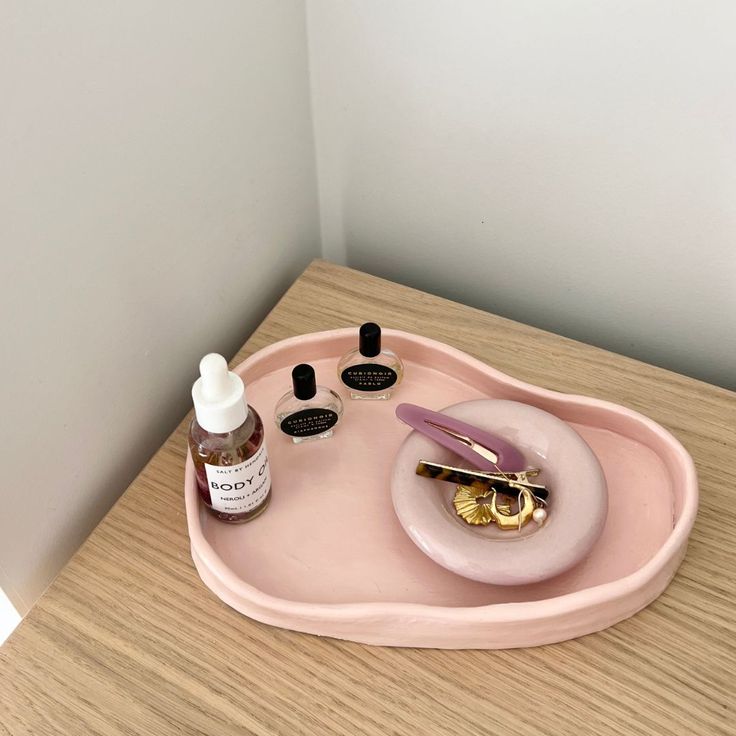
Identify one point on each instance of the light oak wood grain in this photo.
(129, 641)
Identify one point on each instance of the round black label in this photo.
(369, 377)
(307, 422)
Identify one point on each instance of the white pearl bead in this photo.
(540, 516)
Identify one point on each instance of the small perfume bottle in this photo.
(309, 411)
(227, 447)
(368, 371)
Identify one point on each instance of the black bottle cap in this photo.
(303, 381)
(370, 339)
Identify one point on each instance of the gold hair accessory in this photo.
(480, 506)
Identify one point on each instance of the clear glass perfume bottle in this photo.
(226, 441)
(308, 411)
(370, 371)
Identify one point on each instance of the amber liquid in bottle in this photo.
(229, 450)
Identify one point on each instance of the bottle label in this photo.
(235, 489)
(369, 377)
(308, 422)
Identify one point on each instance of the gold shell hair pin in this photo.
(481, 506)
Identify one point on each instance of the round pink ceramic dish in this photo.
(330, 557)
(577, 504)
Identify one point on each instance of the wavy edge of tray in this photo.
(497, 625)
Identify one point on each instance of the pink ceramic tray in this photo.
(329, 556)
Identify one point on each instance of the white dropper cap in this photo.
(219, 396)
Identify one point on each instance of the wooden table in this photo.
(129, 641)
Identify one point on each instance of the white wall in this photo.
(570, 164)
(157, 195)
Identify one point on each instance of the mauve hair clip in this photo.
(483, 449)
